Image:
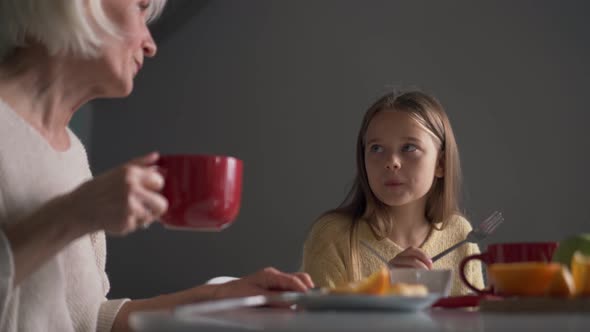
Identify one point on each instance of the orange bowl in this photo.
(522, 279)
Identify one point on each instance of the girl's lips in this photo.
(393, 183)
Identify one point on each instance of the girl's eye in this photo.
(409, 148)
(376, 148)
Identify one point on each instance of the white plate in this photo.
(365, 302)
(313, 301)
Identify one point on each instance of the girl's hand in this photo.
(412, 257)
(265, 282)
(121, 200)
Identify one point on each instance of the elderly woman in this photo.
(54, 57)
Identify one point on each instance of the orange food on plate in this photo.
(376, 284)
(523, 279)
(562, 284)
(379, 283)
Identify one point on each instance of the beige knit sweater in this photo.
(326, 253)
(68, 292)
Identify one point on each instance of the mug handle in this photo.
(483, 257)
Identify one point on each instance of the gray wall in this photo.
(81, 124)
(283, 85)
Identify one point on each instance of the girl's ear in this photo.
(439, 172)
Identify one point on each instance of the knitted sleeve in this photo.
(474, 272)
(324, 253)
(107, 314)
(109, 308)
(456, 231)
(99, 244)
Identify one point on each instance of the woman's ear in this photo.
(439, 172)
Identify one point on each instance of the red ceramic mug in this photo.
(203, 191)
(509, 253)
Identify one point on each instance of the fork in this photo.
(482, 231)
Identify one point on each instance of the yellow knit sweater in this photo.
(327, 258)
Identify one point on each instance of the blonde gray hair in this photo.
(60, 25)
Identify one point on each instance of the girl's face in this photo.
(123, 55)
(401, 159)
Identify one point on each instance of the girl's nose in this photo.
(393, 163)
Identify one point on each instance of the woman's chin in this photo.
(121, 90)
(127, 88)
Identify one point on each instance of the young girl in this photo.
(404, 201)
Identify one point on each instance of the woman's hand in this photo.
(120, 200)
(265, 282)
(412, 257)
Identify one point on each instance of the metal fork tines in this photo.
(482, 231)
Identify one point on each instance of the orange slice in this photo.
(581, 273)
(376, 284)
(562, 284)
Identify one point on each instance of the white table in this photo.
(431, 320)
